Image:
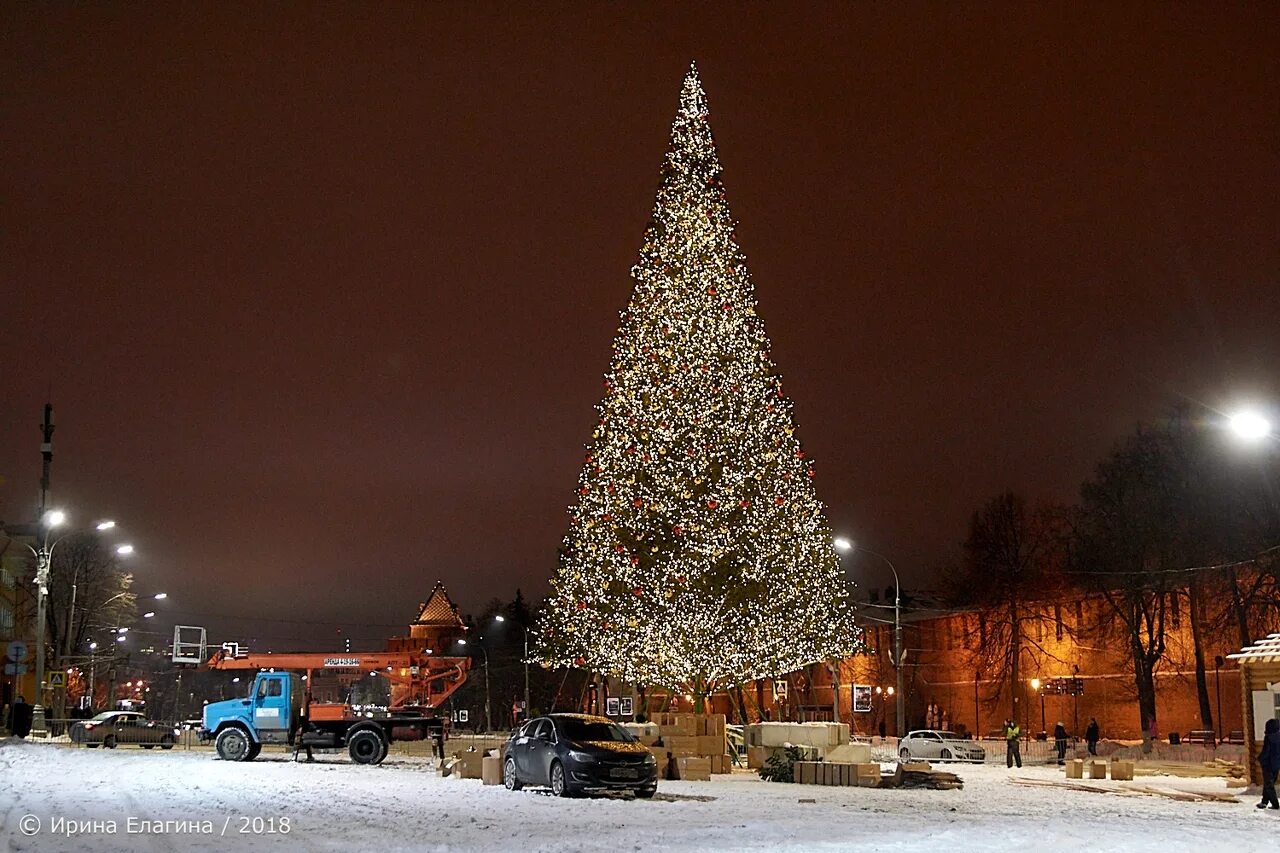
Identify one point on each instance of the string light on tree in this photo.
(698, 554)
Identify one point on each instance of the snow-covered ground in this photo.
(404, 805)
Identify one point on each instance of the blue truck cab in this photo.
(272, 713)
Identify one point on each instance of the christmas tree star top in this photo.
(693, 101)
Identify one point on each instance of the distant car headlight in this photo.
(582, 757)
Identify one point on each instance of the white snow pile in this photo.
(58, 798)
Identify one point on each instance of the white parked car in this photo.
(931, 745)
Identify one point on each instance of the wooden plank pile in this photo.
(1131, 791)
(1220, 768)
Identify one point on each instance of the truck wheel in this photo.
(233, 745)
(254, 749)
(366, 747)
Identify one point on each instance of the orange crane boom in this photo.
(416, 679)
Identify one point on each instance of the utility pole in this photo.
(38, 727)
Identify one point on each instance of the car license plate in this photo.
(623, 773)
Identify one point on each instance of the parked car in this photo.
(576, 754)
(932, 745)
(113, 728)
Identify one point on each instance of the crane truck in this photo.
(294, 700)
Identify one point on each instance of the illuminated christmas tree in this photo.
(698, 555)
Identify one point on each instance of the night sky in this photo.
(323, 295)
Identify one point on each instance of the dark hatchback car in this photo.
(578, 754)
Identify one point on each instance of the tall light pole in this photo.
(485, 652)
(528, 709)
(44, 558)
(847, 546)
(1035, 685)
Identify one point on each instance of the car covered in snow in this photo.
(115, 728)
(578, 754)
(934, 745)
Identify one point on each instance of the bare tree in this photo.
(1124, 552)
(1012, 564)
(87, 591)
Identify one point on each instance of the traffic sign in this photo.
(15, 669)
(16, 651)
(57, 679)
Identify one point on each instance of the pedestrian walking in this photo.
(1269, 758)
(1060, 741)
(20, 718)
(1091, 736)
(1012, 751)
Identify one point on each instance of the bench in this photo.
(1204, 736)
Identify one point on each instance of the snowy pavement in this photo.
(402, 805)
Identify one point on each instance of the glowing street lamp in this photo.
(527, 707)
(124, 550)
(847, 546)
(1250, 425)
(44, 559)
(105, 525)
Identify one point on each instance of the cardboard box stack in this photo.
(691, 736)
(1075, 768)
(1122, 770)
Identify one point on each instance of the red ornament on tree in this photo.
(713, 504)
(579, 661)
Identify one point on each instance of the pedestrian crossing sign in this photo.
(57, 679)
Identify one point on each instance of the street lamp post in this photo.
(1035, 685)
(487, 726)
(848, 546)
(528, 709)
(44, 559)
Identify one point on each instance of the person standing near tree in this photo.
(1012, 752)
(1269, 758)
(1091, 736)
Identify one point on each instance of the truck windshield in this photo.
(587, 730)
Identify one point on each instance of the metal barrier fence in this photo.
(59, 730)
